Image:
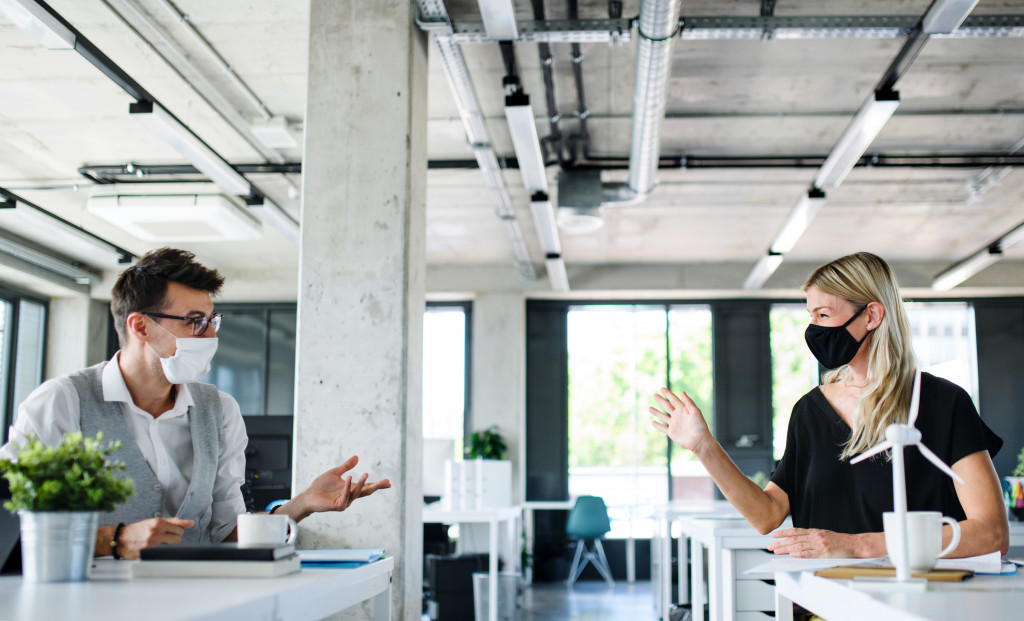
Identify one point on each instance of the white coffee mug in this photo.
(924, 538)
(266, 529)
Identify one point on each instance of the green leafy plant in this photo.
(487, 444)
(1019, 470)
(75, 475)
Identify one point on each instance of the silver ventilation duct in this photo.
(657, 27)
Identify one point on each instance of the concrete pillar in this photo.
(499, 374)
(361, 279)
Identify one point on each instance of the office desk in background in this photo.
(493, 517)
(733, 547)
(665, 516)
(111, 596)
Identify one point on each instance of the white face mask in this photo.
(191, 360)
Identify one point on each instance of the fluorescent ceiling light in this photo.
(762, 271)
(176, 218)
(40, 23)
(579, 220)
(945, 16)
(47, 263)
(798, 220)
(276, 133)
(271, 213)
(68, 239)
(556, 272)
(544, 221)
(190, 146)
(966, 268)
(859, 135)
(524, 139)
(499, 17)
(1012, 238)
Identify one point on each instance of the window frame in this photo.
(14, 296)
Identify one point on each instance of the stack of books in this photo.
(221, 560)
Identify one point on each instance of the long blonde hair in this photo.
(859, 279)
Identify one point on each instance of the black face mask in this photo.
(833, 346)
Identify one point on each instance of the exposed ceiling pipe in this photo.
(657, 26)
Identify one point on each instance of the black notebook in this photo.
(216, 552)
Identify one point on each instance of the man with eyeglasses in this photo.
(184, 441)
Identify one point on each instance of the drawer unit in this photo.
(754, 595)
(748, 559)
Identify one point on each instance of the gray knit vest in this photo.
(204, 418)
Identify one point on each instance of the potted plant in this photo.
(486, 478)
(59, 493)
(487, 444)
(1013, 488)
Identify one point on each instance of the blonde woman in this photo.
(859, 329)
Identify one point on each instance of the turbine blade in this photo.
(932, 457)
(875, 450)
(915, 399)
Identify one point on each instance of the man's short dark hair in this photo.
(143, 286)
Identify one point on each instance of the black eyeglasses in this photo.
(199, 324)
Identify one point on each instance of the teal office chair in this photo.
(588, 521)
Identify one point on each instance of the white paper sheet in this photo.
(787, 563)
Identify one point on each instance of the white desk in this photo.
(493, 517)
(661, 549)
(981, 597)
(112, 596)
(733, 547)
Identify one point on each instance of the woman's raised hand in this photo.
(681, 419)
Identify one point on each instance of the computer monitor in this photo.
(268, 458)
(10, 532)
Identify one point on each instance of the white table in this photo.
(733, 547)
(665, 515)
(981, 597)
(438, 515)
(112, 596)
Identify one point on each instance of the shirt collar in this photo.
(114, 388)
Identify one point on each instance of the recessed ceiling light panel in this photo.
(176, 217)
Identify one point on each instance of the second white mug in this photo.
(924, 538)
(266, 529)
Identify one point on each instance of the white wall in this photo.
(499, 374)
(76, 334)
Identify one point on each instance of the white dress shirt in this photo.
(52, 410)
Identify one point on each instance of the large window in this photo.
(255, 361)
(445, 369)
(944, 343)
(22, 349)
(619, 356)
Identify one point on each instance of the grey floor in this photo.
(587, 601)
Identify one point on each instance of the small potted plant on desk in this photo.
(59, 493)
(487, 444)
(1013, 488)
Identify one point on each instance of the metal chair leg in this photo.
(601, 563)
(576, 569)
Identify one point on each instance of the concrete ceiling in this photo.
(699, 233)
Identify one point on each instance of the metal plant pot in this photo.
(57, 546)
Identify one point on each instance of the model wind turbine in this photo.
(897, 437)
